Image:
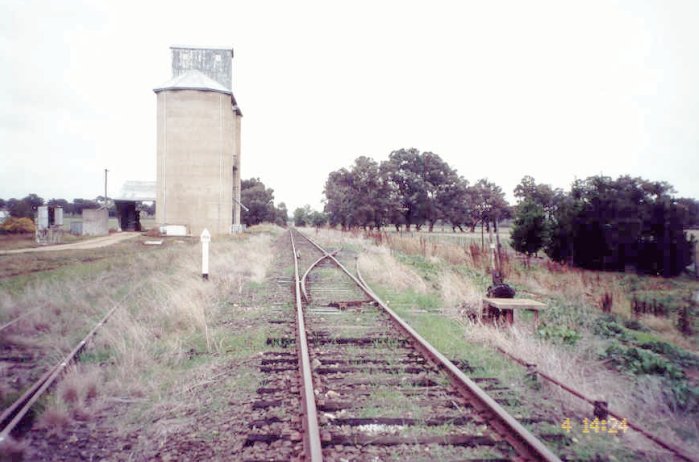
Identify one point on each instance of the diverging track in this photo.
(372, 387)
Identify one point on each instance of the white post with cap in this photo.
(205, 238)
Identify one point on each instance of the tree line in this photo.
(26, 207)
(601, 223)
(411, 188)
(607, 224)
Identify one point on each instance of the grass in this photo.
(170, 337)
(642, 382)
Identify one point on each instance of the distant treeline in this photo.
(26, 207)
(601, 223)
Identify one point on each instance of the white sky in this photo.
(500, 89)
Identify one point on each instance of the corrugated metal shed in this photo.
(143, 191)
(215, 62)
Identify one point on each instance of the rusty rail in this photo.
(313, 450)
(14, 414)
(17, 319)
(656, 439)
(519, 437)
(304, 292)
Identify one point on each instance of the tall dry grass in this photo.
(378, 264)
(166, 313)
(639, 398)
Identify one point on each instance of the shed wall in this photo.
(95, 222)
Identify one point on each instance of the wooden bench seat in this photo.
(495, 308)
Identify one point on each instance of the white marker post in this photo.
(205, 238)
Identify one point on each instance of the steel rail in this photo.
(313, 450)
(305, 275)
(656, 439)
(526, 444)
(21, 406)
(13, 415)
(18, 318)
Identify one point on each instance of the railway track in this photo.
(371, 387)
(15, 417)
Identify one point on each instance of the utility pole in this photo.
(105, 187)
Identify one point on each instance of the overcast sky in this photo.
(499, 89)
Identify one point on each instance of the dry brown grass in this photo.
(378, 264)
(459, 294)
(639, 399)
(55, 419)
(165, 312)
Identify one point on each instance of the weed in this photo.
(558, 334)
(606, 303)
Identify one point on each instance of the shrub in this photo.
(14, 225)
(607, 327)
(558, 334)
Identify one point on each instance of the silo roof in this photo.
(193, 80)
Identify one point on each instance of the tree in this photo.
(302, 215)
(490, 205)
(259, 201)
(690, 207)
(25, 207)
(542, 194)
(606, 224)
(80, 204)
(529, 228)
(456, 204)
(67, 206)
(318, 219)
(281, 215)
(339, 200)
(359, 196)
(420, 180)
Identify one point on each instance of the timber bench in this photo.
(495, 308)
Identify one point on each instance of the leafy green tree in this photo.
(359, 196)
(607, 224)
(542, 194)
(80, 204)
(281, 215)
(318, 219)
(456, 203)
(690, 208)
(25, 207)
(529, 227)
(302, 215)
(490, 205)
(259, 200)
(67, 206)
(420, 179)
(339, 201)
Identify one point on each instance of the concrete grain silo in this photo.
(198, 164)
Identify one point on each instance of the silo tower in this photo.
(198, 165)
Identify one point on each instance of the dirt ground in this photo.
(97, 242)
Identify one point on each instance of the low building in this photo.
(131, 195)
